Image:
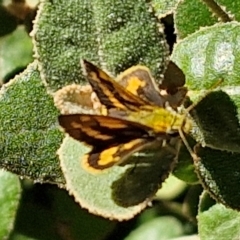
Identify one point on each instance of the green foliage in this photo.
(52, 214)
(116, 35)
(163, 7)
(106, 33)
(186, 22)
(10, 193)
(208, 55)
(158, 228)
(219, 222)
(15, 54)
(29, 142)
(120, 192)
(190, 16)
(88, 188)
(171, 188)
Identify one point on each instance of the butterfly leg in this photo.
(192, 153)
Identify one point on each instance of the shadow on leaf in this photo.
(219, 172)
(151, 167)
(216, 116)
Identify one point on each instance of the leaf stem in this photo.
(217, 10)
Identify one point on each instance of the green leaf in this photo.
(157, 229)
(219, 222)
(10, 193)
(191, 16)
(211, 116)
(185, 169)
(219, 172)
(47, 212)
(91, 191)
(191, 237)
(164, 7)
(206, 202)
(171, 188)
(17, 236)
(205, 57)
(114, 35)
(121, 191)
(210, 54)
(16, 51)
(29, 131)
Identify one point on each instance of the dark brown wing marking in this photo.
(138, 80)
(112, 140)
(110, 93)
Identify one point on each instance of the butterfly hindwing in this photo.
(139, 81)
(99, 159)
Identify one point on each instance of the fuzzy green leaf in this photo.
(164, 7)
(219, 223)
(171, 188)
(10, 193)
(91, 191)
(115, 35)
(121, 191)
(190, 16)
(219, 123)
(29, 130)
(158, 229)
(15, 53)
(206, 56)
(219, 172)
(47, 212)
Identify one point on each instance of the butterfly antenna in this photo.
(215, 85)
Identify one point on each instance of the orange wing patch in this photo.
(139, 81)
(98, 159)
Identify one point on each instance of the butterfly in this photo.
(133, 122)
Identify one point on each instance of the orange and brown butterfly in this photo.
(134, 121)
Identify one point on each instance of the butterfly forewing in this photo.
(110, 93)
(112, 140)
(91, 128)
